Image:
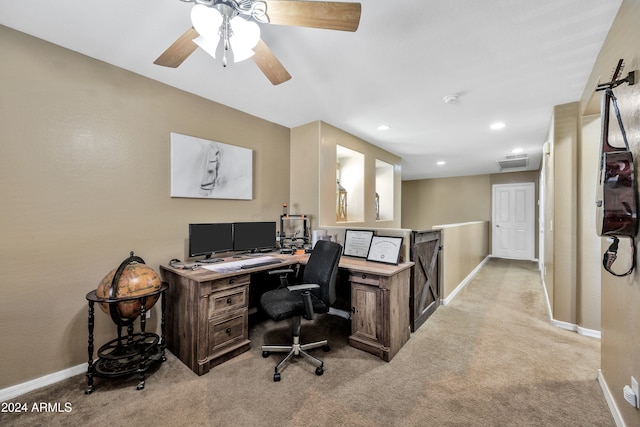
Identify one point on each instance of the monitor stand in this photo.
(209, 260)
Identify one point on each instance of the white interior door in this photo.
(513, 221)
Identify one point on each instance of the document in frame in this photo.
(385, 249)
(357, 243)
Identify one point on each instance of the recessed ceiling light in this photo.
(441, 163)
(517, 150)
(497, 125)
(383, 127)
(451, 99)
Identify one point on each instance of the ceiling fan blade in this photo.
(179, 50)
(315, 14)
(269, 64)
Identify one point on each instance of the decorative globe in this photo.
(135, 279)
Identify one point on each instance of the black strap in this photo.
(612, 253)
(614, 101)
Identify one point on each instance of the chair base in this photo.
(296, 349)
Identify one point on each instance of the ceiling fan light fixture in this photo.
(208, 46)
(245, 37)
(206, 21)
(259, 12)
(241, 54)
(211, 26)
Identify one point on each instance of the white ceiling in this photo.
(507, 60)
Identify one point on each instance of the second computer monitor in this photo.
(254, 236)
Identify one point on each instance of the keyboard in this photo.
(260, 264)
(242, 264)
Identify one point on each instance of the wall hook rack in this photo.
(616, 80)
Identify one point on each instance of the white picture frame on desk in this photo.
(385, 249)
(357, 243)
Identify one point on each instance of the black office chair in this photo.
(315, 295)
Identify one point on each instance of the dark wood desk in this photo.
(207, 311)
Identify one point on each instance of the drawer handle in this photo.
(232, 281)
(229, 300)
(228, 331)
(364, 276)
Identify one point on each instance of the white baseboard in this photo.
(465, 281)
(20, 389)
(546, 296)
(615, 412)
(576, 328)
(566, 325)
(588, 332)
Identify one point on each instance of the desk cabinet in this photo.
(380, 312)
(207, 320)
(207, 312)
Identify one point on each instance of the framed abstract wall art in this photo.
(208, 169)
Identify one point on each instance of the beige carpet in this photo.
(489, 358)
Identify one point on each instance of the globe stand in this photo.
(134, 353)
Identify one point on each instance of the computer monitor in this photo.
(254, 236)
(207, 239)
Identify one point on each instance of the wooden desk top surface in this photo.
(364, 266)
(202, 274)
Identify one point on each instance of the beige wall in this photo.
(435, 201)
(313, 180)
(464, 247)
(547, 259)
(564, 221)
(456, 200)
(589, 256)
(571, 246)
(305, 171)
(85, 179)
(620, 296)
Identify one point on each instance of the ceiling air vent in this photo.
(514, 161)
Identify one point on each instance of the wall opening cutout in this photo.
(349, 185)
(384, 191)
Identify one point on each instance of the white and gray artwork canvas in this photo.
(208, 169)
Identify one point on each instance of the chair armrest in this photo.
(304, 287)
(281, 271)
(306, 297)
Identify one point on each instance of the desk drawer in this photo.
(219, 285)
(223, 302)
(365, 278)
(225, 331)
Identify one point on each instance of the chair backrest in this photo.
(322, 269)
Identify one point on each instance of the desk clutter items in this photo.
(365, 244)
(126, 294)
(294, 235)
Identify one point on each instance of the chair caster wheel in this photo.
(276, 377)
(326, 348)
(319, 370)
(265, 354)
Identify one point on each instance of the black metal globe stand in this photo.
(134, 353)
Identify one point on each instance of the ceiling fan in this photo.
(235, 23)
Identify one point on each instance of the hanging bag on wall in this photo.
(617, 199)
